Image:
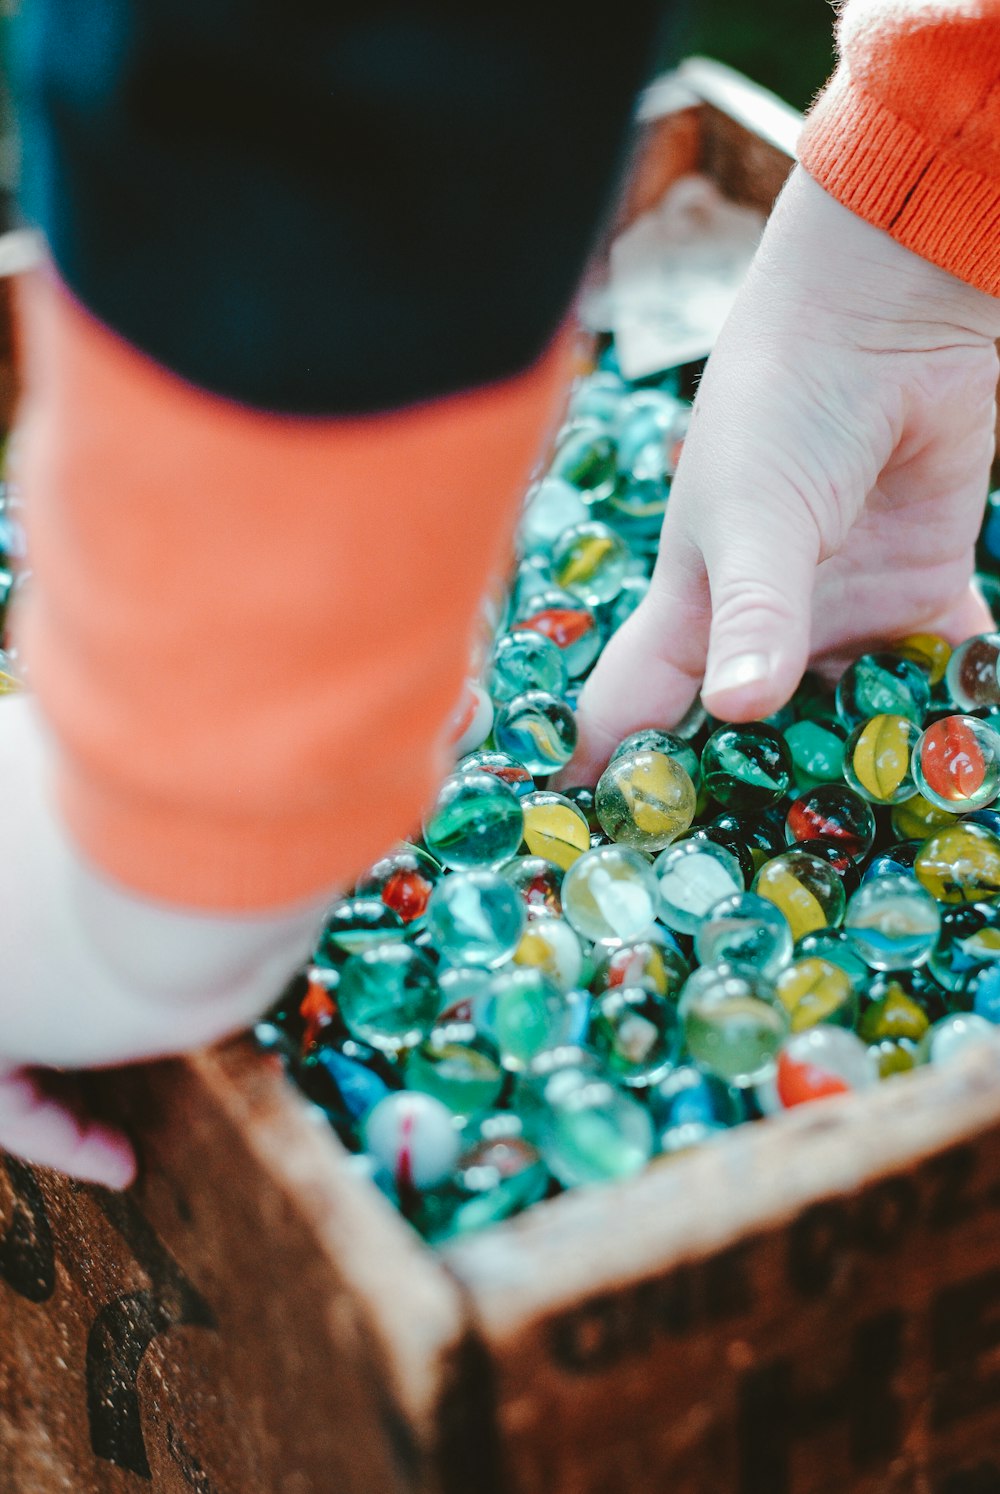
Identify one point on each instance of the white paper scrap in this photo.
(674, 274)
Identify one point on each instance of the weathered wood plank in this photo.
(251, 1317)
(811, 1306)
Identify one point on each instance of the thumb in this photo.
(761, 577)
(651, 669)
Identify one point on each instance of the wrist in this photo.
(879, 294)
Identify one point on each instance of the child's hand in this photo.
(92, 975)
(832, 484)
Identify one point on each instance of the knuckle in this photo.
(746, 603)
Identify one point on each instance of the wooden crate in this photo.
(809, 1306)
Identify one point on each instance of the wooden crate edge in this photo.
(759, 1177)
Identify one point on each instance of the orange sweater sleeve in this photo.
(247, 631)
(907, 133)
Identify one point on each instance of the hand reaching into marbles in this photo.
(94, 975)
(831, 487)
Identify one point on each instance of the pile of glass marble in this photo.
(13, 574)
(547, 989)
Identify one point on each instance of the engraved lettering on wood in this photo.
(27, 1254)
(122, 1333)
(123, 1328)
(776, 1410)
(911, 1358)
(983, 1478)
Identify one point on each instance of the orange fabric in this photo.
(248, 632)
(907, 133)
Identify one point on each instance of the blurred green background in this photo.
(785, 44)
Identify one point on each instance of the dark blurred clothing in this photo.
(327, 208)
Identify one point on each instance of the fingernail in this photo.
(732, 674)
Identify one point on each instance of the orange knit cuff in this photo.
(892, 176)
